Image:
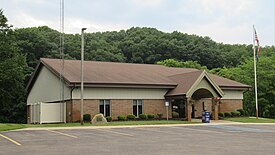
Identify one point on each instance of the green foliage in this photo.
(235, 113)
(242, 112)
(87, 117)
(121, 118)
(143, 116)
(227, 114)
(244, 73)
(131, 117)
(160, 116)
(175, 114)
(12, 69)
(109, 118)
(221, 114)
(181, 64)
(150, 116)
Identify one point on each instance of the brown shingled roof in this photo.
(96, 72)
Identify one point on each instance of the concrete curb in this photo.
(136, 126)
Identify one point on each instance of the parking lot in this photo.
(196, 139)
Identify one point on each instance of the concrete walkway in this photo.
(212, 122)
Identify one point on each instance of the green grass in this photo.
(250, 120)
(9, 126)
(5, 127)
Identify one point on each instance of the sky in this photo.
(224, 21)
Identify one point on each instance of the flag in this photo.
(256, 39)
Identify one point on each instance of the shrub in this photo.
(221, 114)
(143, 116)
(241, 111)
(131, 117)
(109, 118)
(121, 118)
(159, 116)
(227, 114)
(175, 115)
(151, 116)
(235, 113)
(87, 117)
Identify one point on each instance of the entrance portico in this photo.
(200, 94)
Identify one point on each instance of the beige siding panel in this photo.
(120, 93)
(232, 94)
(46, 88)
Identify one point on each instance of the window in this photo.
(137, 107)
(104, 107)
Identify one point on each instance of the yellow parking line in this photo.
(62, 133)
(114, 132)
(15, 142)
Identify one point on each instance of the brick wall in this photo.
(199, 106)
(118, 107)
(121, 107)
(229, 105)
(89, 107)
(156, 107)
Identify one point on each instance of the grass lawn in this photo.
(251, 120)
(6, 126)
(9, 126)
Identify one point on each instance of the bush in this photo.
(235, 113)
(121, 118)
(109, 118)
(227, 114)
(221, 114)
(241, 111)
(131, 117)
(175, 115)
(143, 116)
(159, 116)
(151, 116)
(87, 117)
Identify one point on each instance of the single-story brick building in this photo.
(116, 89)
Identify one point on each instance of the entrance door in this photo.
(178, 107)
(193, 110)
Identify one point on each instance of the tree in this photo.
(12, 65)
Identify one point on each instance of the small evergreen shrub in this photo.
(221, 114)
(131, 117)
(227, 114)
(235, 113)
(159, 116)
(143, 116)
(241, 111)
(87, 117)
(121, 118)
(109, 118)
(175, 115)
(151, 116)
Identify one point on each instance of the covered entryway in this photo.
(197, 92)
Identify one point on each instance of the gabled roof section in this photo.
(185, 82)
(114, 74)
(188, 82)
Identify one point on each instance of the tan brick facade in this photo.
(125, 107)
(156, 107)
(89, 107)
(121, 107)
(117, 107)
(228, 105)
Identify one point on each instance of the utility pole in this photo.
(82, 73)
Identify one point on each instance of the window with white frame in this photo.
(104, 107)
(137, 107)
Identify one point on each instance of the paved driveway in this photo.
(197, 139)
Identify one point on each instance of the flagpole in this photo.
(255, 74)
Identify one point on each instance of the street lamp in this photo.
(82, 73)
